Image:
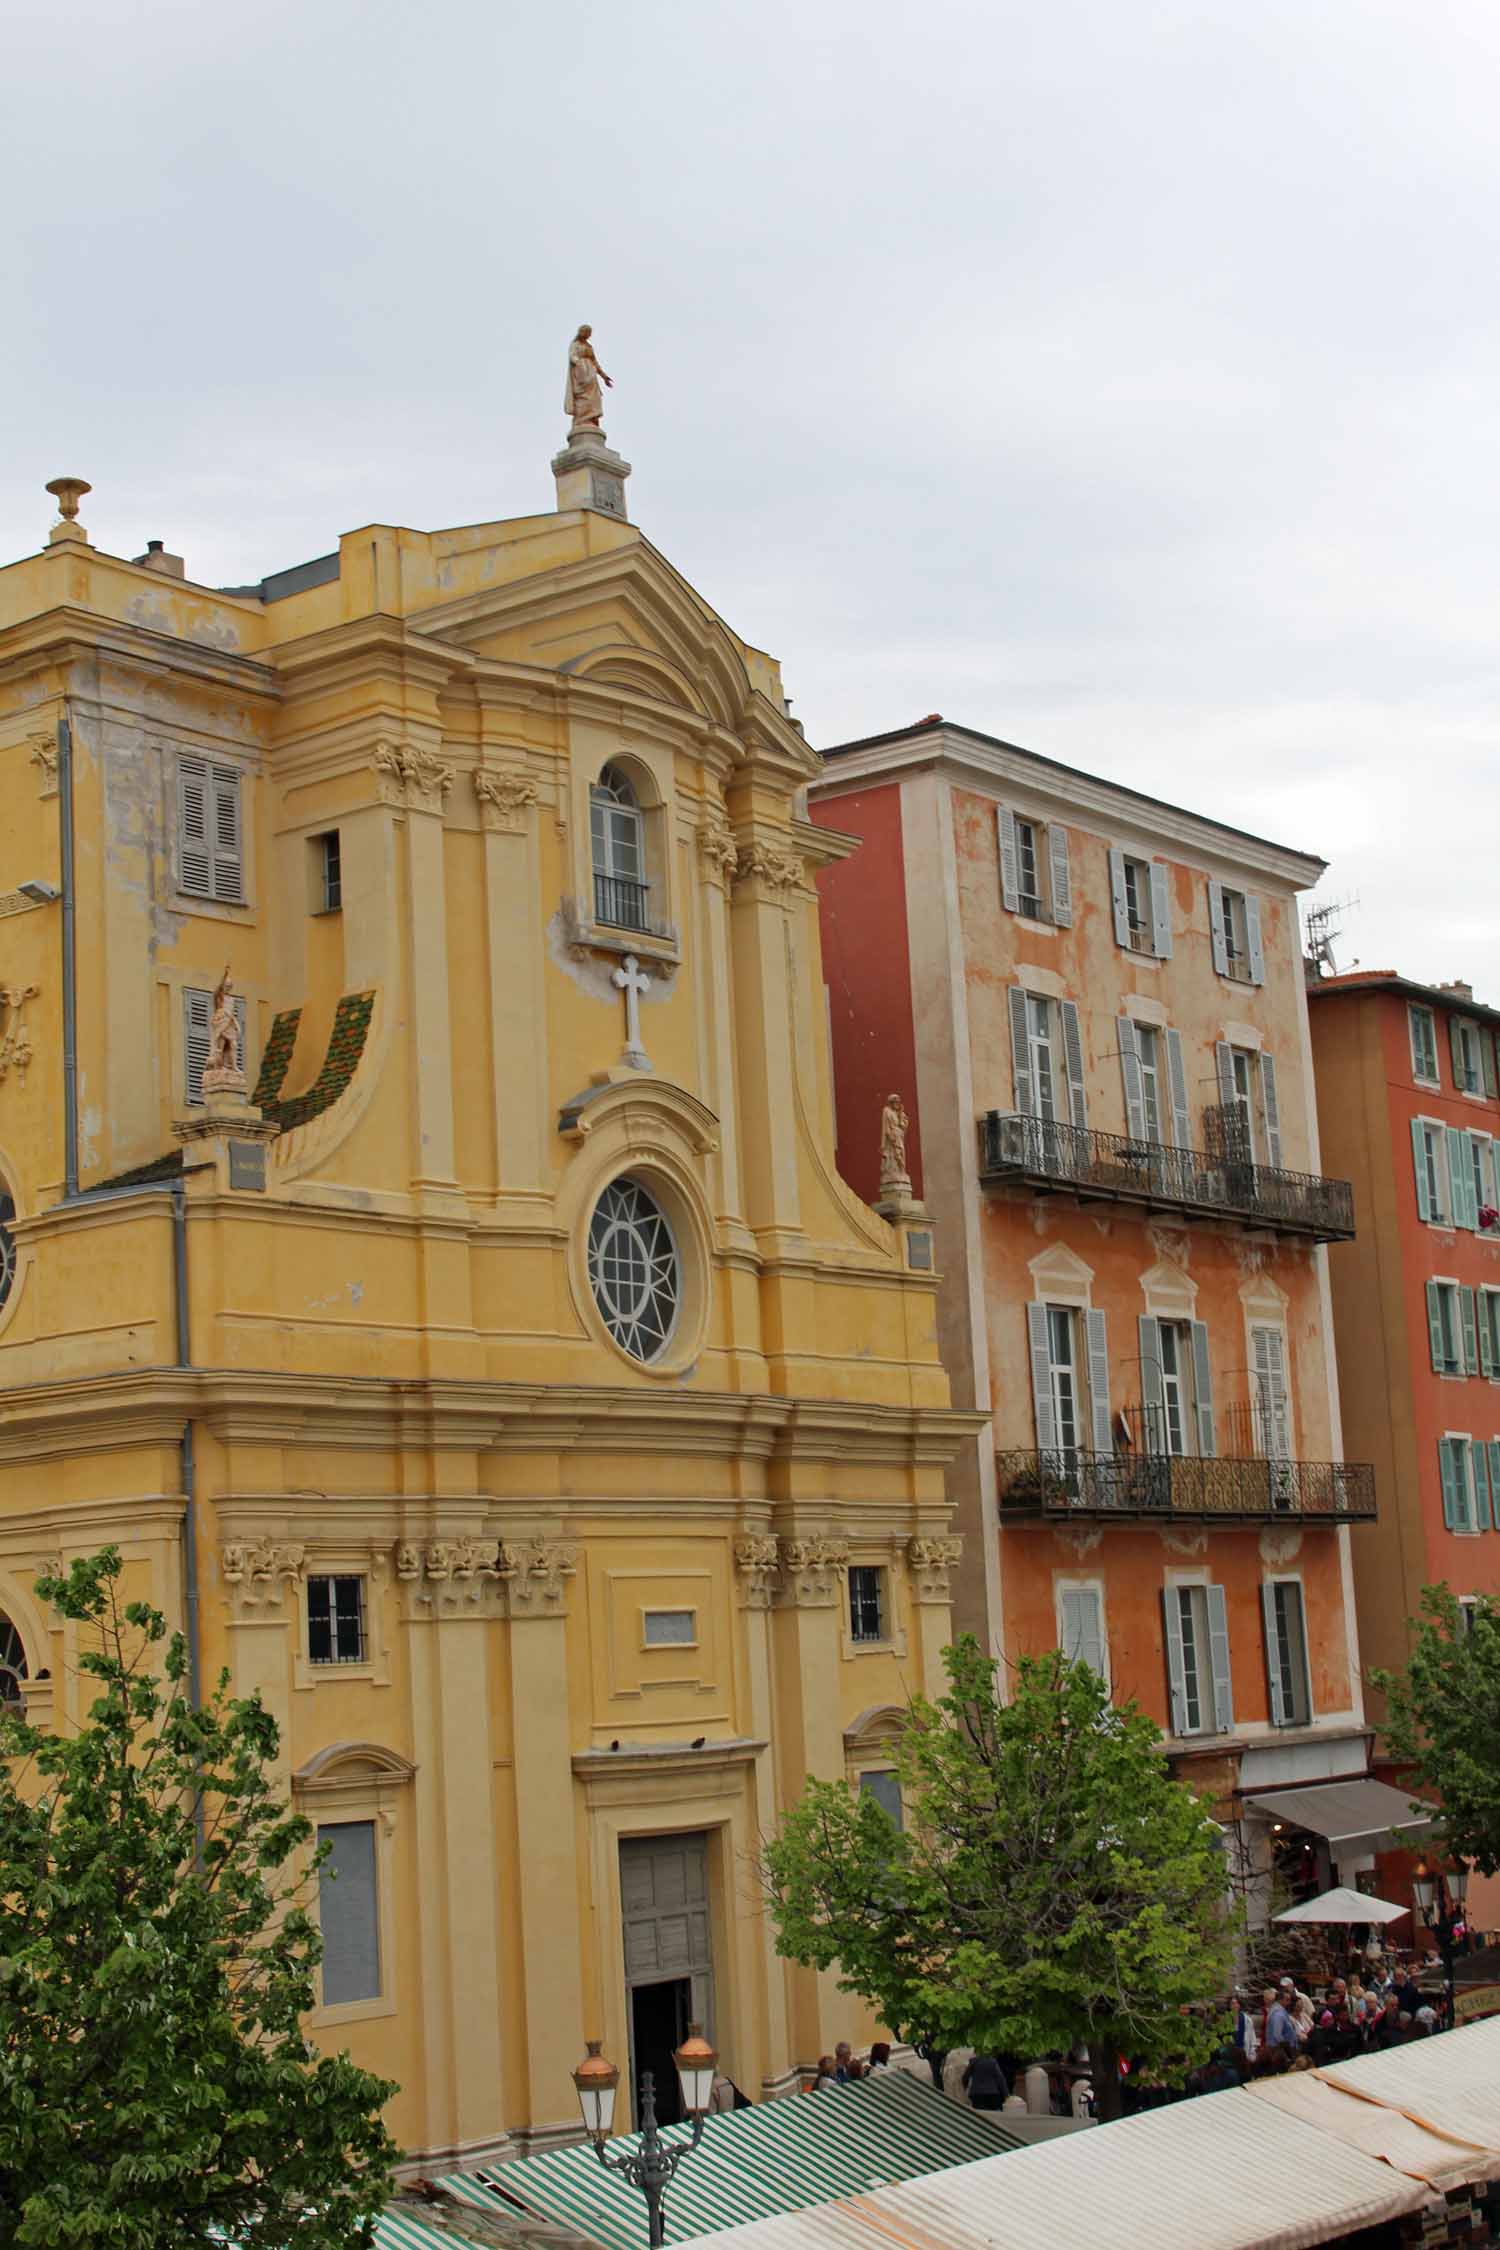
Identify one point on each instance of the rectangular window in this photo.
(197, 1015)
(866, 1603)
(1456, 1467)
(1028, 871)
(1080, 1622)
(1039, 1044)
(1063, 1377)
(885, 1788)
(1035, 868)
(210, 856)
(1424, 1054)
(1468, 1069)
(1479, 1171)
(1489, 1333)
(1192, 1617)
(1291, 1693)
(1236, 936)
(1198, 1667)
(1176, 1385)
(669, 1628)
(1430, 1166)
(1148, 1043)
(348, 1913)
(330, 874)
(1443, 1327)
(1271, 1416)
(1244, 1064)
(336, 1620)
(1138, 905)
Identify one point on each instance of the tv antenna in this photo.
(1319, 931)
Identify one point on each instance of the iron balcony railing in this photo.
(620, 903)
(1053, 1157)
(1053, 1485)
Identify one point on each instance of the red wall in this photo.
(867, 967)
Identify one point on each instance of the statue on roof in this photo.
(583, 400)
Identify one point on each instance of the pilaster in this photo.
(768, 890)
(514, 918)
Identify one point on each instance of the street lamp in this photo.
(655, 2162)
(1440, 1902)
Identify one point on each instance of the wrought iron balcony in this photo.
(619, 903)
(1128, 1487)
(1052, 1158)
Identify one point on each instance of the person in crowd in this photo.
(855, 2070)
(1424, 2023)
(955, 2063)
(843, 2056)
(827, 2073)
(1386, 2030)
(1409, 1993)
(984, 2082)
(1304, 2014)
(1246, 2037)
(1281, 2029)
(880, 2057)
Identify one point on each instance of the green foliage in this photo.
(155, 1962)
(1052, 1882)
(1443, 1720)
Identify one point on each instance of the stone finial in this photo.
(68, 491)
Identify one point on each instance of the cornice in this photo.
(640, 1759)
(68, 635)
(1059, 792)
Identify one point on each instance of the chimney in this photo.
(157, 558)
(1459, 991)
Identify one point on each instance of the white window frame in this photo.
(1153, 1081)
(1472, 1529)
(1260, 1415)
(1137, 877)
(1234, 925)
(342, 1665)
(1032, 904)
(1177, 1387)
(1063, 1584)
(1272, 1579)
(1437, 1167)
(1039, 1050)
(1453, 1305)
(1415, 1013)
(1073, 1368)
(1466, 1030)
(1487, 1314)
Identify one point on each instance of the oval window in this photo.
(634, 1270)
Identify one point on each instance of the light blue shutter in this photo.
(1203, 1390)
(1041, 1378)
(1153, 1391)
(1020, 1054)
(1493, 1451)
(1130, 1071)
(1280, 1715)
(1182, 1117)
(1098, 1342)
(1435, 1328)
(1484, 1314)
(1176, 1675)
(1273, 1111)
(1010, 870)
(1464, 1481)
(1414, 1024)
(1078, 1108)
(1487, 1060)
(1117, 897)
(1456, 1048)
(1062, 878)
(347, 1913)
(1471, 1331)
(1161, 913)
(1252, 933)
(1449, 1471)
(1484, 1499)
(1218, 1658)
(1216, 927)
(1463, 1209)
(1419, 1168)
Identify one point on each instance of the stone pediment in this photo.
(618, 1098)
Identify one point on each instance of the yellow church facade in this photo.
(452, 1310)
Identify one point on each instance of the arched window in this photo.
(7, 1243)
(617, 827)
(12, 1667)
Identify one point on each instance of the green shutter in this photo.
(1486, 1349)
(1471, 1332)
(1463, 1207)
(1493, 1450)
(1435, 1327)
(1448, 1468)
(1483, 1497)
(1418, 1165)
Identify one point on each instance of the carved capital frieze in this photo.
(758, 1561)
(930, 1561)
(718, 849)
(449, 1577)
(15, 1039)
(260, 1573)
(809, 1572)
(504, 799)
(411, 778)
(536, 1574)
(778, 870)
(43, 749)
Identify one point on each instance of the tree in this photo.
(1443, 1720)
(1051, 1884)
(155, 2085)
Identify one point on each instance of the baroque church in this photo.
(421, 1253)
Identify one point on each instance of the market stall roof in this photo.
(1222, 2172)
(752, 2163)
(1444, 2160)
(1344, 1905)
(1357, 1815)
(1450, 2084)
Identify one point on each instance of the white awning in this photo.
(1344, 1905)
(1359, 1816)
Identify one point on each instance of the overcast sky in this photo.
(1123, 379)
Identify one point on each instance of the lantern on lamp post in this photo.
(1440, 1902)
(654, 2163)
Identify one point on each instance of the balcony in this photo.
(619, 903)
(1144, 1487)
(1223, 1183)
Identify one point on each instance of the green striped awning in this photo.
(753, 2163)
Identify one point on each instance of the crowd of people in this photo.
(1353, 2015)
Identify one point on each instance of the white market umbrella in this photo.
(1344, 1905)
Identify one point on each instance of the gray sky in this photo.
(1121, 379)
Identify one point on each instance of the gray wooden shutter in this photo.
(1224, 1066)
(1456, 1049)
(1273, 1111)
(1470, 1322)
(1280, 1715)
(1418, 1049)
(1078, 1108)
(1176, 1676)
(1252, 933)
(1487, 1060)
(1117, 896)
(1153, 1390)
(1083, 1627)
(1435, 1327)
(1098, 1341)
(197, 1013)
(1216, 927)
(1493, 1450)
(1483, 1498)
(1419, 1168)
(1161, 913)
(225, 835)
(1218, 1659)
(1041, 1378)
(1062, 877)
(1486, 1353)
(1203, 1390)
(1182, 1116)
(194, 857)
(1463, 1205)
(348, 1913)
(1010, 866)
(1130, 1071)
(1020, 1054)
(1449, 1469)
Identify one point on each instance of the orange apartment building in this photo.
(1092, 1004)
(1409, 1107)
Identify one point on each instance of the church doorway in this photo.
(668, 1940)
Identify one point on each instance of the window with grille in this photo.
(336, 1619)
(12, 1667)
(210, 846)
(634, 1270)
(7, 1243)
(866, 1603)
(197, 1040)
(617, 830)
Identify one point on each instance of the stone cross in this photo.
(632, 980)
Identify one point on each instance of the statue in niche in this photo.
(894, 1125)
(583, 400)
